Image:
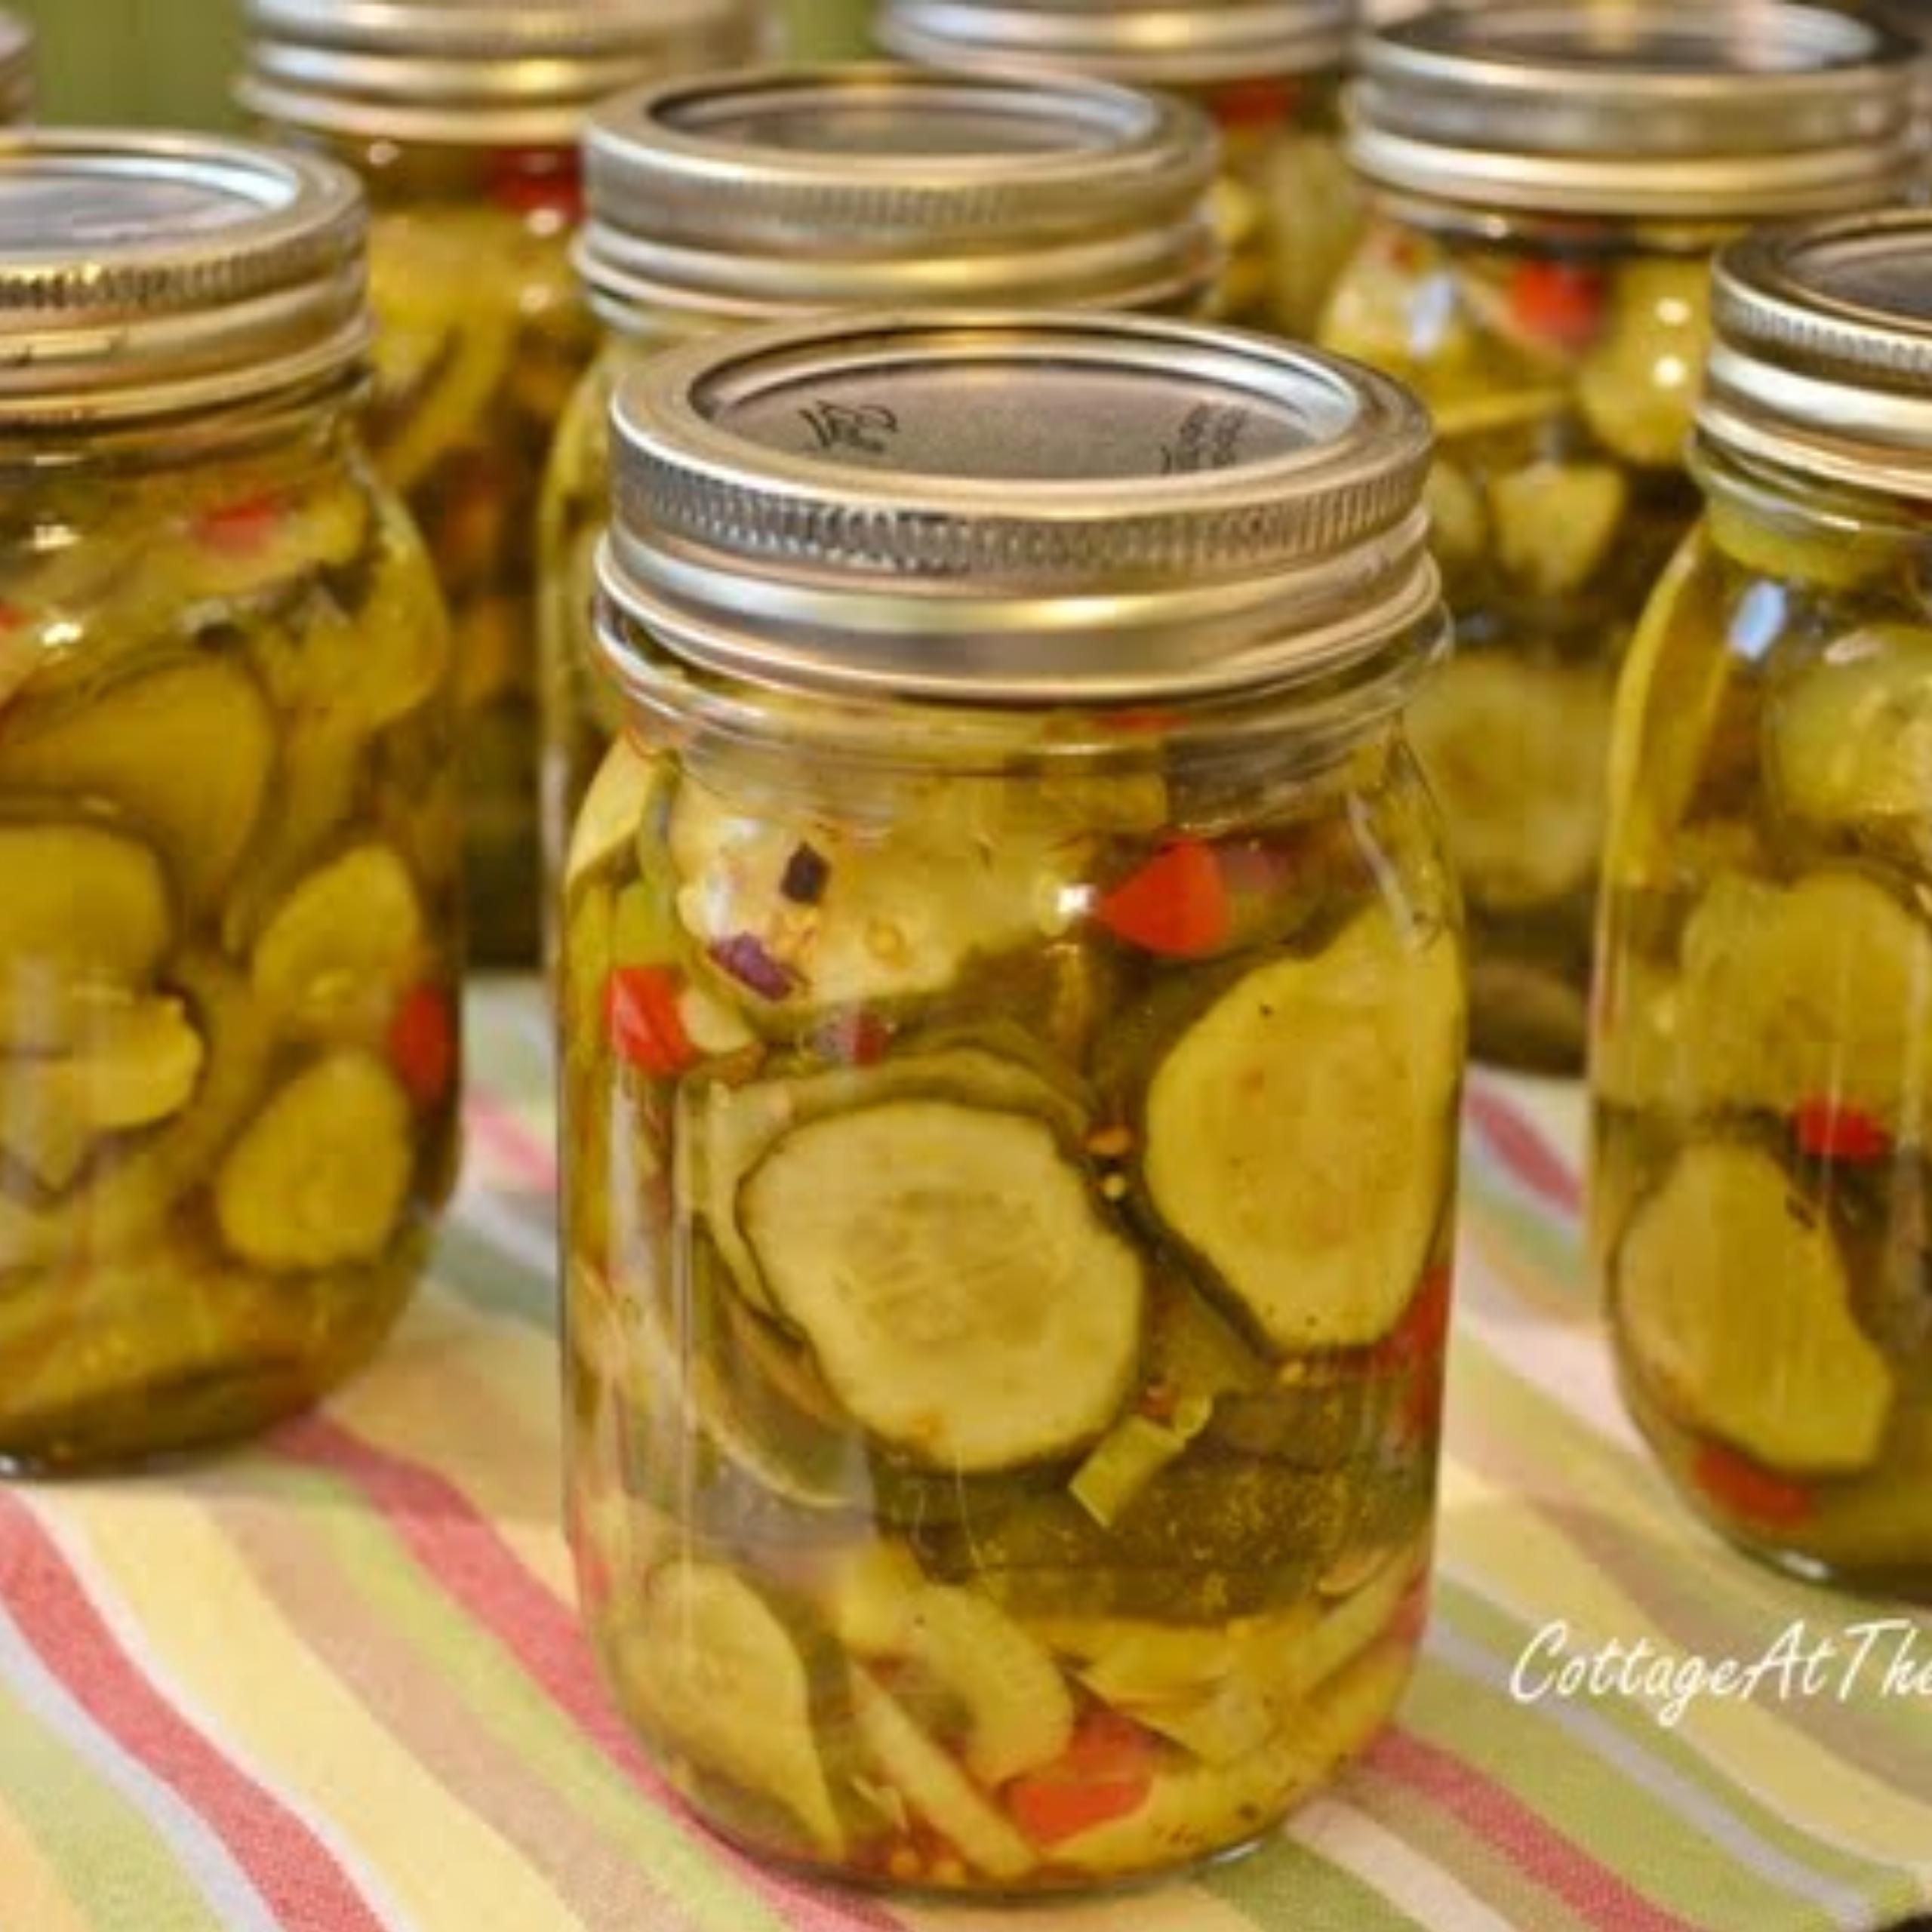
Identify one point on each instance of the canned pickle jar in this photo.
(1761, 1065)
(228, 926)
(463, 118)
(1013, 1019)
(724, 200)
(1550, 182)
(1269, 71)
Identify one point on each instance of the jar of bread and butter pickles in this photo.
(1550, 182)
(1762, 1061)
(229, 925)
(1012, 1019)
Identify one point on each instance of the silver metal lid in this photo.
(519, 72)
(1151, 43)
(143, 275)
(1015, 508)
(16, 69)
(1823, 356)
(768, 193)
(1681, 110)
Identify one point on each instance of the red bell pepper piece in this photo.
(1177, 905)
(239, 529)
(1423, 1331)
(1256, 103)
(1740, 1488)
(422, 1045)
(1105, 1772)
(1831, 1131)
(1559, 303)
(538, 181)
(647, 1029)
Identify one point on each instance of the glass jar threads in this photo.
(1269, 71)
(1012, 1022)
(1550, 183)
(16, 70)
(463, 122)
(723, 200)
(228, 927)
(1761, 1065)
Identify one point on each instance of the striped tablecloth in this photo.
(336, 1682)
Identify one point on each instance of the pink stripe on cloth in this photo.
(1506, 1824)
(467, 1556)
(509, 1145)
(291, 1868)
(1522, 1149)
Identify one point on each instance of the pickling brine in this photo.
(229, 937)
(1542, 280)
(1762, 1064)
(1010, 1155)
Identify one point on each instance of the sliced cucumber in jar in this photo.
(320, 1178)
(1639, 385)
(1736, 1307)
(1556, 523)
(1820, 991)
(964, 1295)
(187, 750)
(339, 949)
(1848, 741)
(81, 906)
(711, 1672)
(1515, 751)
(1299, 1136)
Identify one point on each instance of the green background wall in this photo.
(170, 61)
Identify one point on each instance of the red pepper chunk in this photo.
(422, 1045)
(239, 529)
(1558, 302)
(1831, 1131)
(1106, 1772)
(1176, 905)
(647, 1029)
(1740, 1488)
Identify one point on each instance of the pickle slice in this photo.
(1556, 523)
(1515, 751)
(1820, 990)
(1639, 385)
(711, 1672)
(963, 1296)
(80, 907)
(1736, 1309)
(137, 1062)
(186, 749)
(342, 945)
(1848, 740)
(321, 1177)
(1299, 1136)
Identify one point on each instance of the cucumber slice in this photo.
(339, 949)
(1300, 1137)
(1848, 740)
(82, 907)
(1822, 989)
(711, 1672)
(187, 750)
(1516, 751)
(934, 1786)
(1638, 387)
(963, 1296)
(137, 1063)
(724, 1132)
(1557, 522)
(320, 1178)
(1736, 1310)
(1018, 1711)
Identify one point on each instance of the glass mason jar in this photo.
(733, 198)
(229, 949)
(1013, 1023)
(1269, 71)
(1537, 268)
(464, 122)
(1762, 1062)
(15, 71)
